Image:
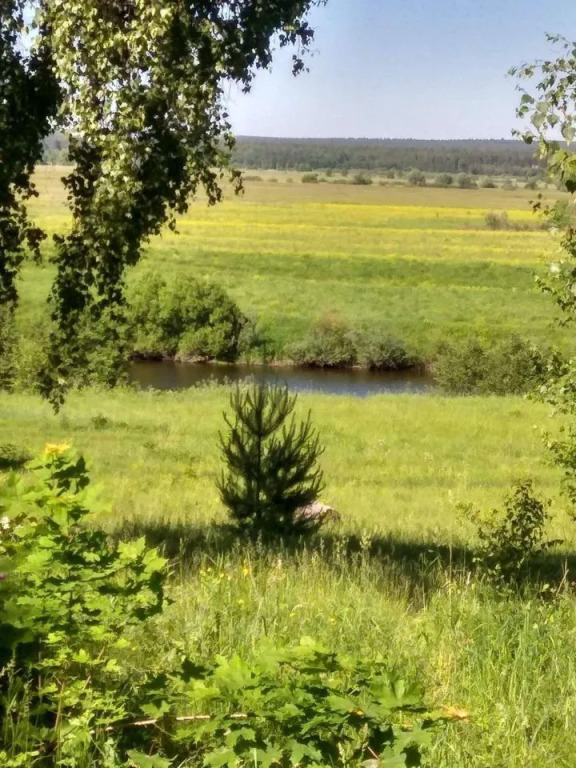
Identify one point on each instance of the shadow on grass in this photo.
(13, 458)
(418, 565)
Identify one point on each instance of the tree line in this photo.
(476, 157)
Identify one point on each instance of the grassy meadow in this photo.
(418, 262)
(395, 579)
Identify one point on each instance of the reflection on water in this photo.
(171, 375)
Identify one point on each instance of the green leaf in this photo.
(140, 760)
(220, 758)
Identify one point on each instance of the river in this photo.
(168, 375)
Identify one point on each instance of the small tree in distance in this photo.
(417, 178)
(271, 462)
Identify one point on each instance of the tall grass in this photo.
(505, 663)
(395, 581)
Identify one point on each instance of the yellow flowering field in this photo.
(421, 263)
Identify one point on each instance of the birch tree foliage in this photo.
(548, 107)
(28, 99)
(141, 97)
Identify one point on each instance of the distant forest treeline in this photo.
(478, 157)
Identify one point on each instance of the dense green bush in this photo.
(332, 343)
(310, 178)
(444, 180)
(487, 183)
(67, 597)
(187, 320)
(509, 366)
(102, 345)
(362, 180)
(12, 458)
(511, 539)
(497, 220)
(465, 181)
(379, 351)
(417, 178)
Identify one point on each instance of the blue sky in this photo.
(427, 69)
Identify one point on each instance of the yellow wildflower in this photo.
(54, 449)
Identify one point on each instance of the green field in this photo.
(419, 263)
(400, 464)
(396, 467)
(395, 580)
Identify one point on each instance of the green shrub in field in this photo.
(378, 350)
(417, 178)
(361, 180)
(188, 319)
(487, 183)
(66, 599)
(444, 180)
(310, 178)
(332, 343)
(305, 707)
(465, 181)
(102, 345)
(502, 221)
(510, 539)
(509, 366)
(497, 221)
(12, 458)
(271, 462)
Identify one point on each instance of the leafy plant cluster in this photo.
(28, 95)
(507, 366)
(548, 108)
(67, 598)
(332, 343)
(511, 539)
(185, 320)
(305, 706)
(418, 178)
(70, 695)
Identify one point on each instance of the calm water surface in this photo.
(171, 375)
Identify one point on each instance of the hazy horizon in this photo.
(377, 138)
